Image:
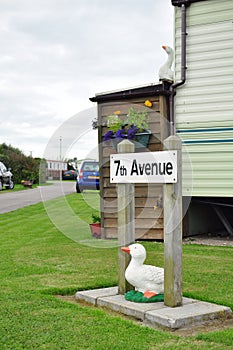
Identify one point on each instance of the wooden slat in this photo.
(145, 213)
(110, 222)
(111, 214)
(149, 223)
(139, 223)
(138, 187)
(111, 233)
(123, 107)
(149, 213)
(144, 202)
(109, 193)
(149, 235)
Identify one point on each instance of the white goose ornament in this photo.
(165, 72)
(147, 279)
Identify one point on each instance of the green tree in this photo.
(23, 167)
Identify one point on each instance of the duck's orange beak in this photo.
(164, 47)
(125, 249)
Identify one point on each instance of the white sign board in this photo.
(145, 167)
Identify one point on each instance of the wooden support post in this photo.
(173, 231)
(126, 227)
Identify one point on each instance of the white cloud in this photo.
(55, 54)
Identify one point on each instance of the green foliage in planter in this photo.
(138, 119)
(114, 123)
(136, 122)
(95, 218)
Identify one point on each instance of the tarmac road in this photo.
(10, 200)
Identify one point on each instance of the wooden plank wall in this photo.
(148, 198)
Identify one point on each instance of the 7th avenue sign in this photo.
(165, 167)
(145, 167)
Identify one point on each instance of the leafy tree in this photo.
(23, 167)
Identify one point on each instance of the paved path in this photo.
(10, 201)
(192, 313)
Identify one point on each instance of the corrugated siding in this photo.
(204, 105)
(207, 11)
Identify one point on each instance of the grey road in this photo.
(10, 201)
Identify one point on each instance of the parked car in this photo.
(88, 177)
(69, 175)
(6, 177)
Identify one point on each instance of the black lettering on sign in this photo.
(141, 168)
(154, 165)
(160, 168)
(169, 168)
(118, 162)
(123, 170)
(134, 169)
(147, 169)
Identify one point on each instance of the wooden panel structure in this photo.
(148, 198)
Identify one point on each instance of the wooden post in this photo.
(173, 231)
(126, 227)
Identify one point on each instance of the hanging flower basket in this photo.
(134, 128)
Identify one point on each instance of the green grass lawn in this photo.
(38, 262)
(20, 187)
(17, 187)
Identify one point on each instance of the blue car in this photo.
(88, 177)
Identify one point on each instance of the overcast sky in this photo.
(55, 54)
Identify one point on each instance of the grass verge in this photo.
(38, 261)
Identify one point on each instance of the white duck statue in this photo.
(165, 72)
(147, 279)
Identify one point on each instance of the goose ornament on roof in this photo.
(165, 72)
(146, 279)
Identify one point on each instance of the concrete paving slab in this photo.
(129, 308)
(91, 296)
(187, 315)
(191, 313)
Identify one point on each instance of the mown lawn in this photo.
(20, 187)
(38, 262)
(17, 187)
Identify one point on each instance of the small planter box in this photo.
(141, 140)
(95, 230)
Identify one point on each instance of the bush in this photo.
(23, 167)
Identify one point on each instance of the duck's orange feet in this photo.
(149, 295)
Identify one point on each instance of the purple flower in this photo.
(131, 132)
(120, 133)
(123, 133)
(108, 135)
